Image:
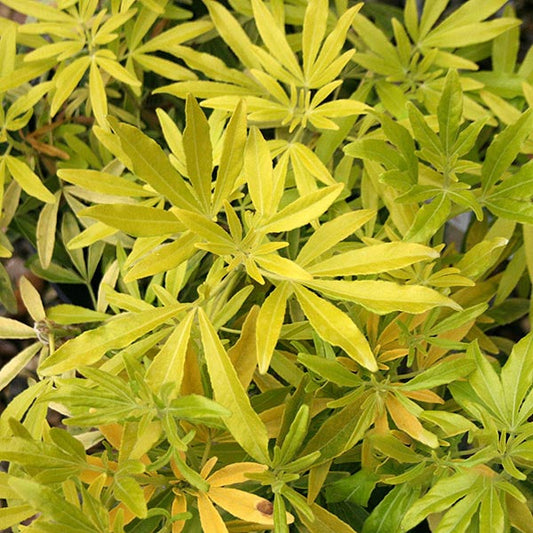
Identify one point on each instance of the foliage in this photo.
(258, 199)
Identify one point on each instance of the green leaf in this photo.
(269, 322)
(324, 522)
(304, 210)
(440, 374)
(244, 423)
(198, 152)
(13, 329)
(128, 491)
(387, 515)
(384, 296)
(66, 516)
(152, 165)
(516, 378)
(74, 314)
(458, 518)
(336, 327)
(15, 514)
(28, 180)
(329, 369)
(450, 111)
(167, 366)
(195, 406)
(440, 497)
(136, 220)
(504, 149)
(91, 346)
(46, 231)
(429, 219)
(373, 259)
(356, 488)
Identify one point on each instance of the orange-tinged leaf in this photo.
(179, 505)
(409, 423)
(424, 395)
(234, 473)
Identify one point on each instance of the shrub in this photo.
(285, 331)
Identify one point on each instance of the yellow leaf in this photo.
(13, 329)
(28, 180)
(269, 322)
(336, 327)
(98, 95)
(32, 300)
(116, 70)
(258, 172)
(179, 505)
(210, 519)
(67, 80)
(283, 267)
(46, 231)
(167, 366)
(314, 28)
(234, 473)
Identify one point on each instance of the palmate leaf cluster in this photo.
(282, 332)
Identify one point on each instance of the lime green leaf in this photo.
(330, 369)
(28, 180)
(12, 329)
(198, 152)
(325, 522)
(103, 182)
(116, 70)
(244, 423)
(314, 28)
(167, 366)
(336, 327)
(98, 95)
(25, 74)
(67, 80)
(74, 314)
(128, 491)
(269, 322)
(440, 374)
(384, 296)
(65, 515)
(231, 158)
(137, 220)
(331, 233)
(373, 259)
(504, 149)
(12, 368)
(46, 231)
(15, 514)
(429, 219)
(258, 172)
(91, 346)
(304, 210)
(152, 165)
(481, 257)
(205, 228)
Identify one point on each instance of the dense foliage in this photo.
(302, 226)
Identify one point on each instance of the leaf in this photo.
(103, 182)
(91, 346)
(314, 28)
(504, 149)
(198, 152)
(128, 491)
(11, 369)
(15, 514)
(209, 517)
(331, 233)
(12, 329)
(258, 172)
(167, 366)
(440, 497)
(151, 164)
(74, 314)
(481, 257)
(325, 522)
(98, 95)
(46, 231)
(384, 296)
(387, 515)
(442, 373)
(64, 514)
(244, 423)
(304, 210)
(137, 220)
(373, 259)
(32, 300)
(66, 81)
(429, 219)
(330, 369)
(28, 180)
(231, 158)
(269, 321)
(336, 327)
(516, 378)
(450, 111)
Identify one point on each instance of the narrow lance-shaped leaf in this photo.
(46, 231)
(198, 151)
(91, 346)
(336, 327)
(244, 423)
(167, 366)
(269, 322)
(504, 149)
(258, 171)
(28, 180)
(152, 165)
(450, 111)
